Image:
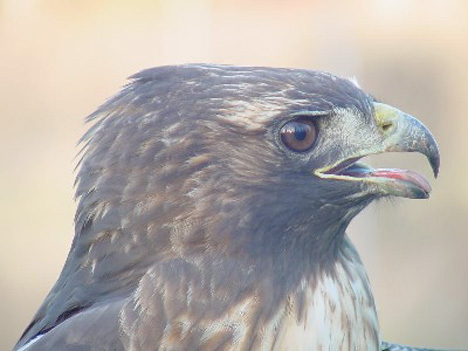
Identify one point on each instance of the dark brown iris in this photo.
(299, 134)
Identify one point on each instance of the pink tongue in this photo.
(403, 174)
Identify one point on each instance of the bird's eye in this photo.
(299, 134)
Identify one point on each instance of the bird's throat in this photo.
(338, 311)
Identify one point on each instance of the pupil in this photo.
(300, 133)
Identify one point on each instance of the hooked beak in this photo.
(400, 133)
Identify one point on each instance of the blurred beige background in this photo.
(60, 59)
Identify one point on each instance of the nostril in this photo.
(387, 126)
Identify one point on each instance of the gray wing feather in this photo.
(387, 346)
(93, 329)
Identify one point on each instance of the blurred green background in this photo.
(60, 59)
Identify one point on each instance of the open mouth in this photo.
(406, 135)
(405, 182)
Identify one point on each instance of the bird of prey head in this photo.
(212, 208)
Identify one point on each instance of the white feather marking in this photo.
(354, 81)
(30, 343)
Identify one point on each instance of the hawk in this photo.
(213, 203)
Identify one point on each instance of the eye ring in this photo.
(299, 135)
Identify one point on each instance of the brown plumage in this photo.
(212, 208)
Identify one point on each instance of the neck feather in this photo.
(336, 311)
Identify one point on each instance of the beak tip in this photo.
(435, 164)
(435, 170)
